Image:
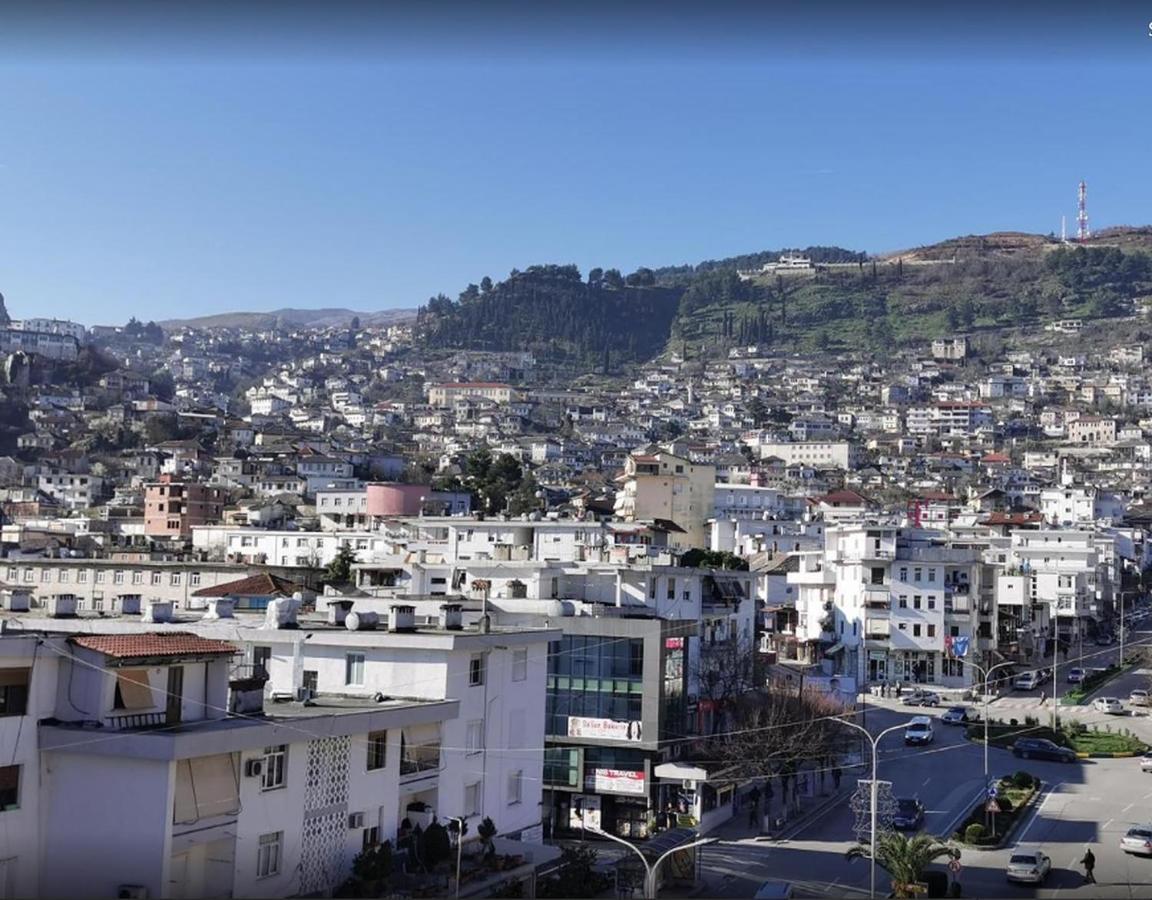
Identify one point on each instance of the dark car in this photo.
(909, 814)
(1041, 748)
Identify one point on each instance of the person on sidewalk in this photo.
(1089, 864)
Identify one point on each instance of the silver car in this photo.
(1138, 698)
(1138, 839)
(1110, 705)
(1146, 762)
(1028, 865)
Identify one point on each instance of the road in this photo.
(1090, 802)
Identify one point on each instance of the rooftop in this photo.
(148, 646)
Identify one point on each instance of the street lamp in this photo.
(874, 741)
(459, 820)
(650, 886)
(986, 674)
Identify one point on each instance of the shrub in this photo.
(974, 833)
(1023, 779)
(1006, 805)
(1013, 722)
(1031, 721)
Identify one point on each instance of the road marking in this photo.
(1104, 827)
(1036, 813)
(925, 784)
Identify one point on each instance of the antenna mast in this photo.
(1082, 233)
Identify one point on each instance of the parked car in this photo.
(1146, 762)
(1028, 865)
(1138, 839)
(909, 814)
(958, 715)
(919, 731)
(1042, 748)
(1028, 681)
(1138, 698)
(921, 698)
(1076, 676)
(1111, 705)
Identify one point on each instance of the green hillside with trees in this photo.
(849, 301)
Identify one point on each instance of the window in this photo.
(520, 664)
(371, 837)
(156, 576)
(29, 574)
(918, 574)
(916, 630)
(476, 670)
(377, 750)
(671, 588)
(14, 691)
(903, 602)
(931, 631)
(118, 576)
(175, 579)
(268, 856)
(916, 602)
(275, 762)
(98, 601)
(63, 576)
(137, 577)
(260, 658)
(472, 799)
(194, 579)
(100, 575)
(474, 738)
(354, 668)
(13, 574)
(45, 574)
(81, 576)
(931, 602)
(311, 680)
(515, 786)
(931, 574)
(9, 787)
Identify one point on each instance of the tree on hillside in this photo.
(613, 278)
(485, 284)
(595, 276)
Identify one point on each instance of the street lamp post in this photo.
(459, 820)
(986, 675)
(874, 741)
(650, 871)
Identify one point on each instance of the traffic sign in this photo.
(954, 866)
(993, 806)
(992, 792)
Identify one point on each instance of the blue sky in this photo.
(166, 180)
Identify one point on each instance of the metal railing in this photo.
(136, 720)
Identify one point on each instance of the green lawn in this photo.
(1082, 740)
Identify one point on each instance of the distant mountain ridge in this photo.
(291, 318)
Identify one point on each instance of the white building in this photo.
(819, 454)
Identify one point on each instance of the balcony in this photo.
(877, 596)
(129, 721)
(418, 759)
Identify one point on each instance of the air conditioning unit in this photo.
(254, 768)
(356, 820)
(132, 892)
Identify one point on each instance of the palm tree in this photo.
(903, 858)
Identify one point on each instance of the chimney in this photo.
(451, 616)
(338, 611)
(130, 605)
(156, 611)
(403, 618)
(220, 608)
(281, 613)
(363, 620)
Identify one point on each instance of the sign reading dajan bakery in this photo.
(615, 781)
(609, 729)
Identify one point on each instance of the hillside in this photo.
(848, 301)
(289, 318)
(552, 312)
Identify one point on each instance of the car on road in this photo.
(1105, 640)
(1138, 698)
(1075, 676)
(1042, 748)
(1111, 705)
(919, 731)
(958, 715)
(1146, 762)
(909, 814)
(1138, 839)
(1028, 865)
(921, 698)
(1028, 681)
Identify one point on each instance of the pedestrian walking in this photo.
(1089, 864)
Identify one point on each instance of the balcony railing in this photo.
(136, 720)
(420, 758)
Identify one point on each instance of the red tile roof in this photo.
(133, 646)
(262, 585)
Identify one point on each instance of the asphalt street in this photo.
(1092, 802)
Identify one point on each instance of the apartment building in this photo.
(72, 491)
(446, 395)
(818, 454)
(668, 486)
(173, 508)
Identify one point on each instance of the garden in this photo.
(1073, 734)
(985, 829)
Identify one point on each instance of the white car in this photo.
(1028, 865)
(1138, 839)
(1108, 705)
(1138, 698)
(1146, 762)
(1027, 682)
(919, 731)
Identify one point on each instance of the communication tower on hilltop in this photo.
(1082, 233)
